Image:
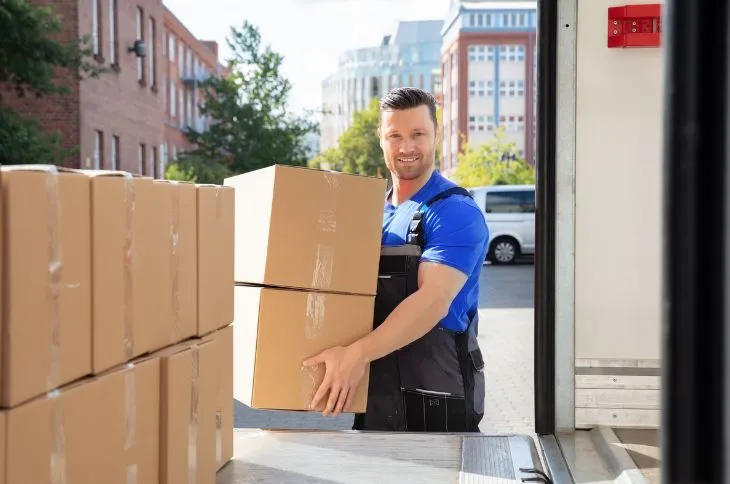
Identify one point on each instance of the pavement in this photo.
(506, 339)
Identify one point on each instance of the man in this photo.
(426, 369)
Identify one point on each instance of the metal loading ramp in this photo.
(288, 457)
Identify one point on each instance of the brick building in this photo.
(125, 119)
(187, 61)
(488, 61)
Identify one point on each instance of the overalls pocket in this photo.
(427, 411)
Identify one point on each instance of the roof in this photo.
(418, 32)
(498, 5)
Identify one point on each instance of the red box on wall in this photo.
(634, 26)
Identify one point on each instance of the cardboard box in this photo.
(100, 429)
(3, 438)
(178, 291)
(125, 266)
(275, 330)
(188, 412)
(46, 321)
(224, 407)
(310, 229)
(215, 257)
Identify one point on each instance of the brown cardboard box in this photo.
(124, 267)
(100, 429)
(224, 407)
(3, 433)
(276, 329)
(188, 411)
(46, 339)
(178, 290)
(215, 257)
(309, 229)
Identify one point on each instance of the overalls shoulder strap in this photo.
(415, 232)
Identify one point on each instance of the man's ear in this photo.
(380, 140)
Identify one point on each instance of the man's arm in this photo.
(455, 239)
(438, 285)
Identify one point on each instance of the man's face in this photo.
(408, 140)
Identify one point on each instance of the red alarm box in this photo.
(634, 26)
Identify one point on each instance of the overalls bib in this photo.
(436, 383)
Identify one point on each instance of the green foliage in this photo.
(30, 63)
(251, 127)
(496, 162)
(358, 148)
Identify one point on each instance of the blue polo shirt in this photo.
(456, 235)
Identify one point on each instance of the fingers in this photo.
(332, 400)
(341, 401)
(324, 387)
(314, 361)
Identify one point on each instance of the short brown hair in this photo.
(402, 98)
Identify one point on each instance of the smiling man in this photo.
(426, 368)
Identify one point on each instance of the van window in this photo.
(517, 201)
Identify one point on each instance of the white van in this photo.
(510, 214)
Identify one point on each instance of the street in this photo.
(506, 338)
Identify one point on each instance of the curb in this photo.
(615, 455)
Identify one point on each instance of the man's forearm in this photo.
(411, 319)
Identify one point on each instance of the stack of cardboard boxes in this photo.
(307, 246)
(116, 344)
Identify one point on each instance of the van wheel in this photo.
(503, 250)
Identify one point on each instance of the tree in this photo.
(31, 60)
(358, 148)
(496, 162)
(251, 127)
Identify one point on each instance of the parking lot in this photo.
(506, 337)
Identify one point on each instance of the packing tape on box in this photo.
(129, 259)
(130, 417)
(58, 439)
(193, 421)
(323, 265)
(327, 214)
(55, 269)
(327, 223)
(315, 315)
(218, 202)
(308, 381)
(175, 254)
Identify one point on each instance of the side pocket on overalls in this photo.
(472, 370)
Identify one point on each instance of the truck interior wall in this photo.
(617, 226)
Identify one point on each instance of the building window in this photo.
(171, 47)
(142, 159)
(114, 153)
(152, 29)
(113, 35)
(173, 99)
(164, 94)
(98, 150)
(374, 87)
(140, 36)
(181, 59)
(181, 106)
(191, 113)
(155, 163)
(96, 29)
(163, 159)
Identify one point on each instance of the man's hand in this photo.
(344, 368)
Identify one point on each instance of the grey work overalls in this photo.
(436, 383)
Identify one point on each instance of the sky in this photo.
(310, 34)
